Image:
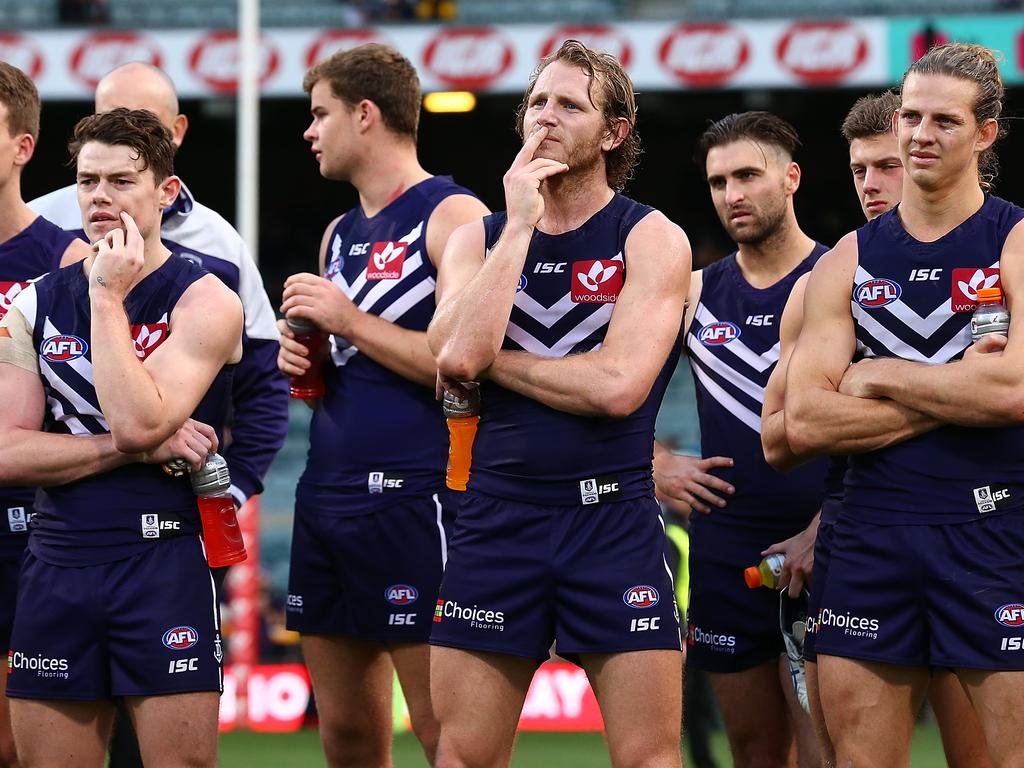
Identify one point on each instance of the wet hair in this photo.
(18, 93)
(759, 127)
(616, 100)
(139, 129)
(379, 74)
(870, 116)
(976, 64)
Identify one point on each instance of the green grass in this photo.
(533, 750)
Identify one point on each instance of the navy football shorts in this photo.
(9, 569)
(591, 579)
(142, 626)
(926, 595)
(372, 576)
(822, 555)
(730, 627)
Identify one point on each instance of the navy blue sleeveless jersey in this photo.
(526, 451)
(34, 251)
(375, 434)
(119, 513)
(733, 345)
(914, 300)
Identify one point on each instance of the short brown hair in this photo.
(139, 129)
(871, 116)
(975, 64)
(759, 127)
(378, 73)
(18, 93)
(618, 101)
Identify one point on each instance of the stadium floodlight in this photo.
(449, 101)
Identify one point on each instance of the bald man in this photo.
(259, 398)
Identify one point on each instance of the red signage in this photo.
(18, 51)
(469, 58)
(600, 37)
(214, 60)
(704, 55)
(822, 53)
(336, 40)
(99, 53)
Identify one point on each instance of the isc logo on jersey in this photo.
(596, 282)
(401, 594)
(877, 292)
(716, 334)
(63, 348)
(180, 638)
(1010, 615)
(641, 596)
(386, 260)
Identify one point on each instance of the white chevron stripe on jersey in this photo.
(384, 287)
(360, 281)
(564, 345)
(923, 326)
(409, 299)
(727, 401)
(738, 380)
(81, 405)
(875, 329)
(548, 316)
(759, 363)
(74, 425)
(342, 356)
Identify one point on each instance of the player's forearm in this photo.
(589, 384)
(777, 450)
(822, 422)
(984, 392)
(398, 349)
(29, 457)
(127, 394)
(468, 329)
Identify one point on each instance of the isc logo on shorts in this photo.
(17, 520)
(641, 596)
(1010, 615)
(386, 260)
(876, 292)
(152, 525)
(378, 482)
(596, 282)
(180, 638)
(401, 594)
(63, 348)
(989, 498)
(595, 489)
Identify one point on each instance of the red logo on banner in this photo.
(214, 60)
(600, 37)
(336, 40)
(920, 43)
(99, 53)
(277, 696)
(468, 57)
(822, 52)
(21, 53)
(704, 55)
(146, 338)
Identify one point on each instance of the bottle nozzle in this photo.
(752, 576)
(990, 294)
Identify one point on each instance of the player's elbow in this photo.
(777, 452)
(803, 436)
(461, 364)
(136, 438)
(619, 398)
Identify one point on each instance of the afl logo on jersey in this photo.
(401, 594)
(522, 284)
(641, 596)
(1010, 615)
(63, 349)
(716, 334)
(876, 292)
(180, 638)
(386, 260)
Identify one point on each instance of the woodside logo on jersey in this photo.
(386, 260)
(596, 282)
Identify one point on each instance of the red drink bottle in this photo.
(221, 534)
(309, 385)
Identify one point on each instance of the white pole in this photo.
(247, 176)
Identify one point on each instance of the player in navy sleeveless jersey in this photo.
(106, 608)
(925, 566)
(567, 307)
(877, 173)
(732, 340)
(29, 247)
(372, 513)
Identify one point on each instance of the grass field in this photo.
(533, 750)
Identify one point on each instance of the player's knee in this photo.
(427, 732)
(352, 746)
(760, 750)
(468, 753)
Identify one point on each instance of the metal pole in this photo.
(247, 192)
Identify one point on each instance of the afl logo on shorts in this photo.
(640, 596)
(63, 349)
(877, 292)
(1010, 615)
(401, 594)
(716, 334)
(180, 638)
